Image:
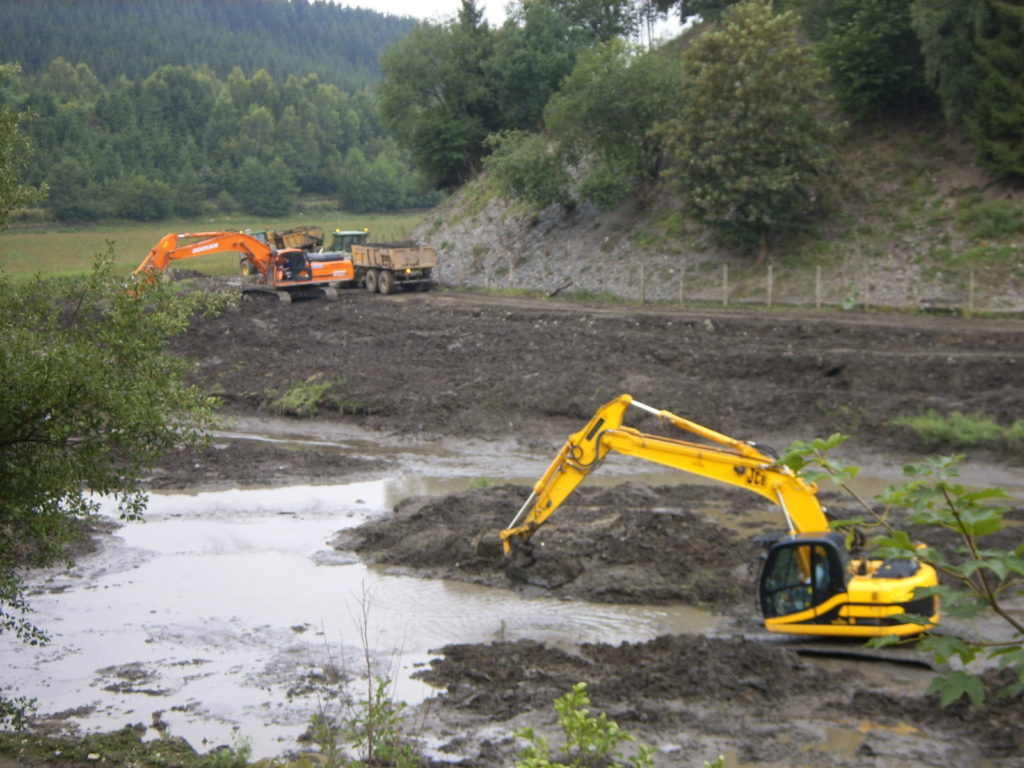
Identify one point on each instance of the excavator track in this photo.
(844, 648)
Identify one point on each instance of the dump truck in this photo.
(387, 267)
(306, 238)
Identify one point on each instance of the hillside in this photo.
(127, 37)
(914, 223)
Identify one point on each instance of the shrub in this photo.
(991, 220)
(957, 430)
(526, 166)
(589, 739)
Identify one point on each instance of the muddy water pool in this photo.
(216, 616)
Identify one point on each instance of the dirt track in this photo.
(497, 368)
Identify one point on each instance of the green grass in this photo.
(58, 250)
(963, 430)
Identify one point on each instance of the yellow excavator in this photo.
(810, 583)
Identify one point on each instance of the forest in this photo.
(249, 104)
(144, 110)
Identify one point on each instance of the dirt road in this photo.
(493, 368)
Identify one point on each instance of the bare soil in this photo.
(417, 365)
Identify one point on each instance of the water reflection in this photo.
(214, 609)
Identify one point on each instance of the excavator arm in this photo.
(722, 458)
(191, 244)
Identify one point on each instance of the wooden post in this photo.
(511, 272)
(770, 284)
(817, 287)
(643, 282)
(970, 291)
(682, 285)
(725, 285)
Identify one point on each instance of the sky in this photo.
(431, 10)
(439, 10)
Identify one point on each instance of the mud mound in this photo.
(501, 679)
(228, 464)
(627, 544)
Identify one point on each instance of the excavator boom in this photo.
(726, 459)
(192, 244)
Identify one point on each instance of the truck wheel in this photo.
(386, 282)
(371, 281)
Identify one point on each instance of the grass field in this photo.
(64, 251)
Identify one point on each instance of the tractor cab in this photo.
(343, 240)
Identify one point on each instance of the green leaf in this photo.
(953, 685)
(976, 522)
(1010, 656)
(945, 647)
(884, 641)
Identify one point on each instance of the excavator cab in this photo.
(803, 572)
(294, 265)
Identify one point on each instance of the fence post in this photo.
(643, 282)
(771, 285)
(970, 291)
(725, 285)
(682, 285)
(817, 287)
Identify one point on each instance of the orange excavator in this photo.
(810, 583)
(287, 273)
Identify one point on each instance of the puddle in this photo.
(213, 612)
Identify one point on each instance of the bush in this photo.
(992, 220)
(528, 167)
(978, 574)
(589, 739)
(957, 430)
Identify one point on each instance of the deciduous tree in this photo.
(15, 152)
(873, 56)
(436, 99)
(605, 116)
(91, 400)
(752, 139)
(946, 29)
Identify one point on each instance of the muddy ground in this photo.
(420, 365)
(496, 368)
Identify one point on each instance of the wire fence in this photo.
(946, 290)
